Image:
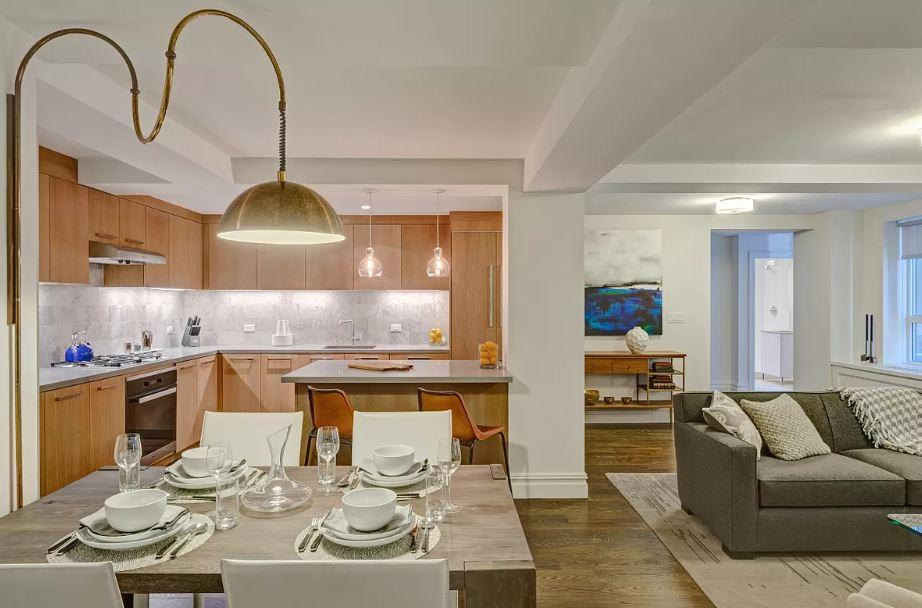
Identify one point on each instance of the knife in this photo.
(70, 545)
(61, 542)
(425, 541)
(413, 534)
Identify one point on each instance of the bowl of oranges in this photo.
(489, 353)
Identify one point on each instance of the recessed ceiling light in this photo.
(735, 204)
(366, 207)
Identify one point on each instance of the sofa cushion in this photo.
(907, 466)
(785, 428)
(831, 480)
(846, 430)
(725, 415)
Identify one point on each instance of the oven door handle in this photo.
(153, 396)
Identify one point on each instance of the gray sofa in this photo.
(834, 502)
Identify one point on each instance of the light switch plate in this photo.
(396, 328)
(249, 328)
(675, 317)
(169, 330)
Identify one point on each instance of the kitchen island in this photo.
(485, 391)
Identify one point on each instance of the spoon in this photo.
(199, 527)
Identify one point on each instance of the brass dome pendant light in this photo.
(370, 266)
(438, 266)
(276, 212)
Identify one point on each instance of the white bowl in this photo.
(135, 510)
(394, 459)
(369, 509)
(195, 462)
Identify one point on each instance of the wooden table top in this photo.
(486, 535)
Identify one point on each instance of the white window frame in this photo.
(908, 284)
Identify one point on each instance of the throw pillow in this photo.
(784, 426)
(725, 415)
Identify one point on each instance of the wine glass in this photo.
(449, 456)
(128, 459)
(433, 512)
(218, 460)
(327, 448)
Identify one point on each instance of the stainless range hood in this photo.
(106, 253)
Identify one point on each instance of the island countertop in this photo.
(453, 371)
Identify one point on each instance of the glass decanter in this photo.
(276, 493)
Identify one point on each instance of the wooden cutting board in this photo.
(382, 366)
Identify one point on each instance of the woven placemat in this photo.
(397, 550)
(132, 559)
(180, 496)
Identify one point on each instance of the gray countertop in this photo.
(50, 378)
(423, 372)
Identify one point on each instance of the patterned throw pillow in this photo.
(784, 426)
(725, 415)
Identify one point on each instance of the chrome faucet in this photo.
(352, 323)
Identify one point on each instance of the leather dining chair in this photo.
(343, 583)
(247, 433)
(463, 426)
(329, 407)
(59, 586)
(419, 430)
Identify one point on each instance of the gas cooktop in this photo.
(124, 360)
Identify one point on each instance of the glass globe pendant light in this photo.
(370, 266)
(438, 266)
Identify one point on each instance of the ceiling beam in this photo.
(655, 60)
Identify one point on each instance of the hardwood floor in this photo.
(600, 552)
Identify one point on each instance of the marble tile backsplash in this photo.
(114, 315)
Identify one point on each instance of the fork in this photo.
(315, 528)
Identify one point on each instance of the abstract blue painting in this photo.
(623, 282)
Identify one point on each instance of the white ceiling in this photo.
(661, 203)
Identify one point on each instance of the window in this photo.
(911, 283)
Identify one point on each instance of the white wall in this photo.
(543, 338)
(724, 322)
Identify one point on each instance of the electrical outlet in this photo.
(249, 328)
(396, 328)
(675, 317)
(169, 330)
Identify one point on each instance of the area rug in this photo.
(795, 581)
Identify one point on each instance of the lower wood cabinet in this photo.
(367, 356)
(275, 395)
(65, 442)
(186, 403)
(107, 419)
(418, 356)
(240, 386)
(208, 399)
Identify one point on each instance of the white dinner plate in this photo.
(392, 482)
(176, 478)
(364, 544)
(98, 518)
(336, 525)
(89, 540)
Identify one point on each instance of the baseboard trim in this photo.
(550, 485)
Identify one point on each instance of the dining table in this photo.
(488, 556)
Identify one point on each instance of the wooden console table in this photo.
(617, 363)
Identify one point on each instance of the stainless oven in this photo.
(150, 411)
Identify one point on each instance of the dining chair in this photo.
(343, 583)
(247, 432)
(468, 432)
(420, 430)
(329, 407)
(59, 586)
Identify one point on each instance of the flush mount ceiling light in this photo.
(370, 266)
(735, 204)
(438, 266)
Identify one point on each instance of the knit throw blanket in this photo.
(890, 417)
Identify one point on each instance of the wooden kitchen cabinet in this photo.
(65, 442)
(207, 386)
(417, 242)
(195, 255)
(157, 231)
(132, 224)
(275, 395)
(281, 267)
(107, 419)
(68, 226)
(104, 221)
(331, 265)
(240, 390)
(44, 227)
(185, 258)
(186, 403)
(419, 356)
(366, 356)
(231, 265)
(476, 289)
(386, 241)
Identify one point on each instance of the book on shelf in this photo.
(662, 367)
(661, 382)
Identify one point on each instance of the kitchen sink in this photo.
(350, 346)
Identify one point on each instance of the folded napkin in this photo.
(337, 524)
(414, 471)
(97, 524)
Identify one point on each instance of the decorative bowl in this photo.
(195, 462)
(592, 396)
(369, 509)
(626, 400)
(136, 509)
(609, 400)
(394, 459)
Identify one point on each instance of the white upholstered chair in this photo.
(59, 586)
(247, 432)
(420, 430)
(881, 594)
(340, 584)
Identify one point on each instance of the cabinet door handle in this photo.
(70, 396)
(492, 282)
(105, 388)
(103, 235)
(134, 241)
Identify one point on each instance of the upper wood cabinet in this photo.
(330, 266)
(158, 241)
(275, 395)
(385, 238)
(196, 269)
(417, 242)
(281, 266)
(104, 217)
(44, 227)
(107, 419)
(185, 259)
(231, 265)
(68, 226)
(240, 382)
(132, 224)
